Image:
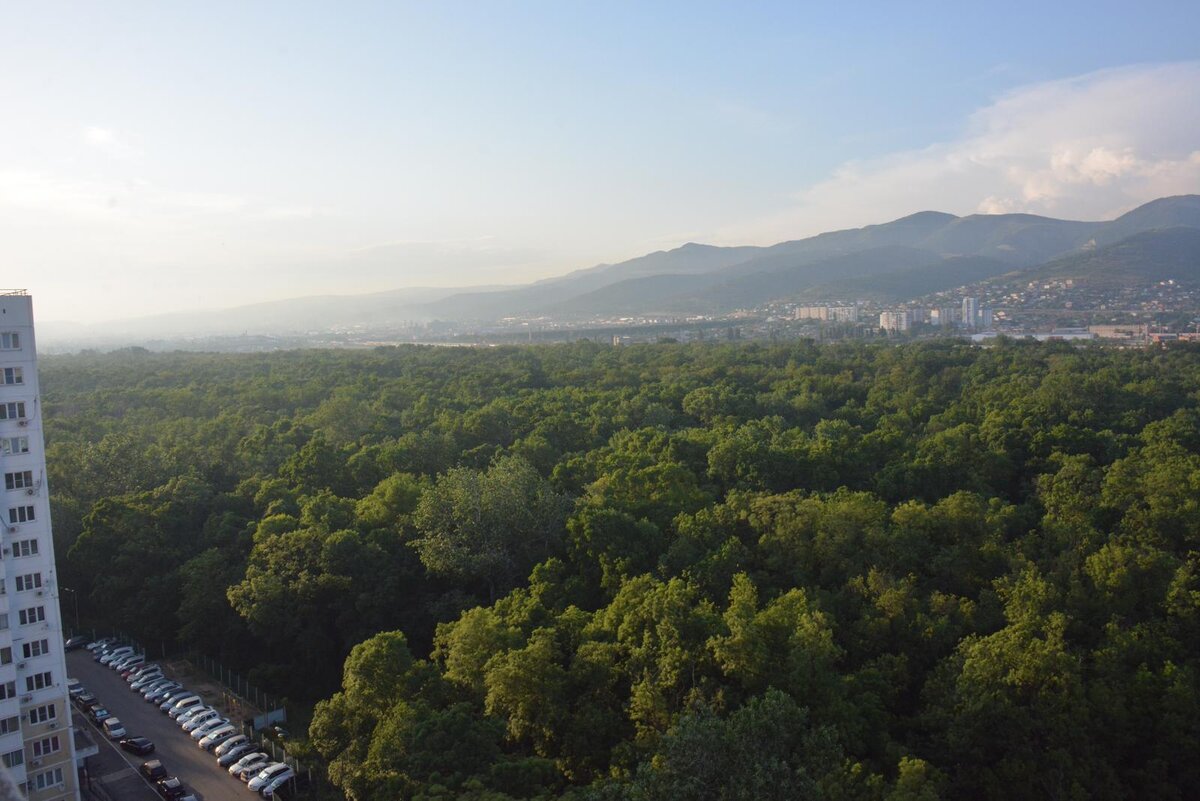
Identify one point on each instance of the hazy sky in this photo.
(159, 156)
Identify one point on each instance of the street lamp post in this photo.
(75, 598)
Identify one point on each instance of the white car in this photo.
(249, 765)
(218, 736)
(270, 774)
(206, 728)
(113, 728)
(145, 681)
(190, 723)
(117, 653)
(183, 705)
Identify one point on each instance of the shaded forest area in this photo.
(669, 571)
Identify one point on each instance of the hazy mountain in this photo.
(905, 284)
(1143, 258)
(914, 255)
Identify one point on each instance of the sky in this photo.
(158, 156)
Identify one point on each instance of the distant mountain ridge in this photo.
(932, 250)
(918, 254)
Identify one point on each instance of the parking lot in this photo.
(179, 753)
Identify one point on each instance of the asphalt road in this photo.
(178, 752)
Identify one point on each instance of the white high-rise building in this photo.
(36, 743)
(970, 313)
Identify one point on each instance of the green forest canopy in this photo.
(665, 572)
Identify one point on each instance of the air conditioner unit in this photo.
(25, 699)
(20, 666)
(35, 762)
(23, 422)
(39, 592)
(53, 725)
(31, 490)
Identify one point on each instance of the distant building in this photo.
(1128, 332)
(970, 313)
(943, 316)
(895, 321)
(843, 314)
(812, 313)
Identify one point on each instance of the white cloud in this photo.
(1088, 147)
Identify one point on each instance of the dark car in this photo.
(170, 787)
(98, 713)
(138, 745)
(78, 641)
(153, 770)
(85, 700)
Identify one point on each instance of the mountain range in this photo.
(915, 255)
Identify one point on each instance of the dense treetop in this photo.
(666, 572)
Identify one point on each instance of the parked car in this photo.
(142, 670)
(185, 703)
(137, 745)
(75, 643)
(230, 744)
(101, 643)
(170, 788)
(153, 770)
(268, 791)
(168, 703)
(189, 722)
(235, 754)
(207, 727)
(113, 728)
(98, 713)
(217, 736)
(142, 682)
(75, 687)
(134, 660)
(269, 774)
(155, 684)
(84, 700)
(159, 692)
(251, 764)
(110, 655)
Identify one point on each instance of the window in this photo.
(25, 548)
(10, 340)
(13, 758)
(29, 581)
(9, 725)
(38, 681)
(34, 614)
(5, 656)
(8, 690)
(20, 514)
(42, 714)
(13, 410)
(14, 445)
(18, 480)
(45, 746)
(35, 648)
(50, 778)
(11, 375)
(3, 624)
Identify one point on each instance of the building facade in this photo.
(36, 745)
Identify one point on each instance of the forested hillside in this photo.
(665, 572)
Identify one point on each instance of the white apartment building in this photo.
(36, 743)
(895, 320)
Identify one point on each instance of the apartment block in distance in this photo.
(36, 743)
